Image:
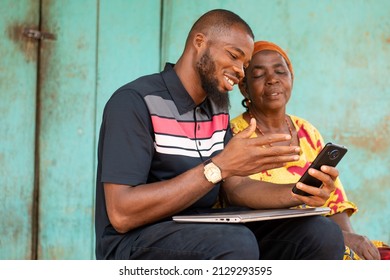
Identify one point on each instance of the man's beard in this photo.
(206, 70)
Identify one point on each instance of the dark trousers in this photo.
(304, 238)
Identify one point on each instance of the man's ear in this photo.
(199, 40)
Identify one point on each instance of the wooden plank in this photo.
(129, 44)
(68, 78)
(17, 127)
(128, 47)
(68, 124)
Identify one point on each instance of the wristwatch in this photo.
(212, 172)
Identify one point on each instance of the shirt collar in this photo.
(179, 94)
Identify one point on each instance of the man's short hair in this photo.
(219, 21)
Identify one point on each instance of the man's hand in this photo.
(244, 156)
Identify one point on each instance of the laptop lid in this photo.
(250, 215)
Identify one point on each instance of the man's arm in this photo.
(130, 207)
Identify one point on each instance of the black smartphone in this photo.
(330, 155)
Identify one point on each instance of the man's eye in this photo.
(233, 55)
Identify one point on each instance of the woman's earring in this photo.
(246, 102)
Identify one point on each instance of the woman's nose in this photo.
(271, 79)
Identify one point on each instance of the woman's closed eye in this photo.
(258, 73)
(280, 72)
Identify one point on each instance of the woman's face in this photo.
(269, 81)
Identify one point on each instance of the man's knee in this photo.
(234, 242)
(327, 239)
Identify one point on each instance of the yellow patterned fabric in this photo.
(383, 248)
(311, 143)
(350, 255)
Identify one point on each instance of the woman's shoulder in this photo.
(306, 129)
(301, 122)
(238, 124)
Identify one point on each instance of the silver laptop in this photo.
(250, 215)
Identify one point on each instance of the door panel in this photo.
(97, 49)
(128, 47)
(18, 76)
(68, 92)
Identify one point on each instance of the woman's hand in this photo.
(319, 196)
(362, 246)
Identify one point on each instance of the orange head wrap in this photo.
(265, 45)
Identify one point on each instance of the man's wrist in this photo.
(212, 172)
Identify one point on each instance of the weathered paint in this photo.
(17, 127)
(68, 90)
(94, 53)
(128, 47)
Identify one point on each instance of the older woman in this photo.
(267, 89)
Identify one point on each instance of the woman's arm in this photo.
(360, 244)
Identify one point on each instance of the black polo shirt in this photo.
(152, 131)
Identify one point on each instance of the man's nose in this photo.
(239, 70)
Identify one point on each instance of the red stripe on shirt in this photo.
(205, 129)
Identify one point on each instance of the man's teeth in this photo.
(274, 94)
(229, 81)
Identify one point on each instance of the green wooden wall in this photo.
(52, 94)
(18, 75)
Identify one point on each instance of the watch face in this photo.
(212, 173)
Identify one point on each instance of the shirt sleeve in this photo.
(127, 140)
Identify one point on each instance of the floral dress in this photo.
(311, 143)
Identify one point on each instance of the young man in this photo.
(165, 148)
